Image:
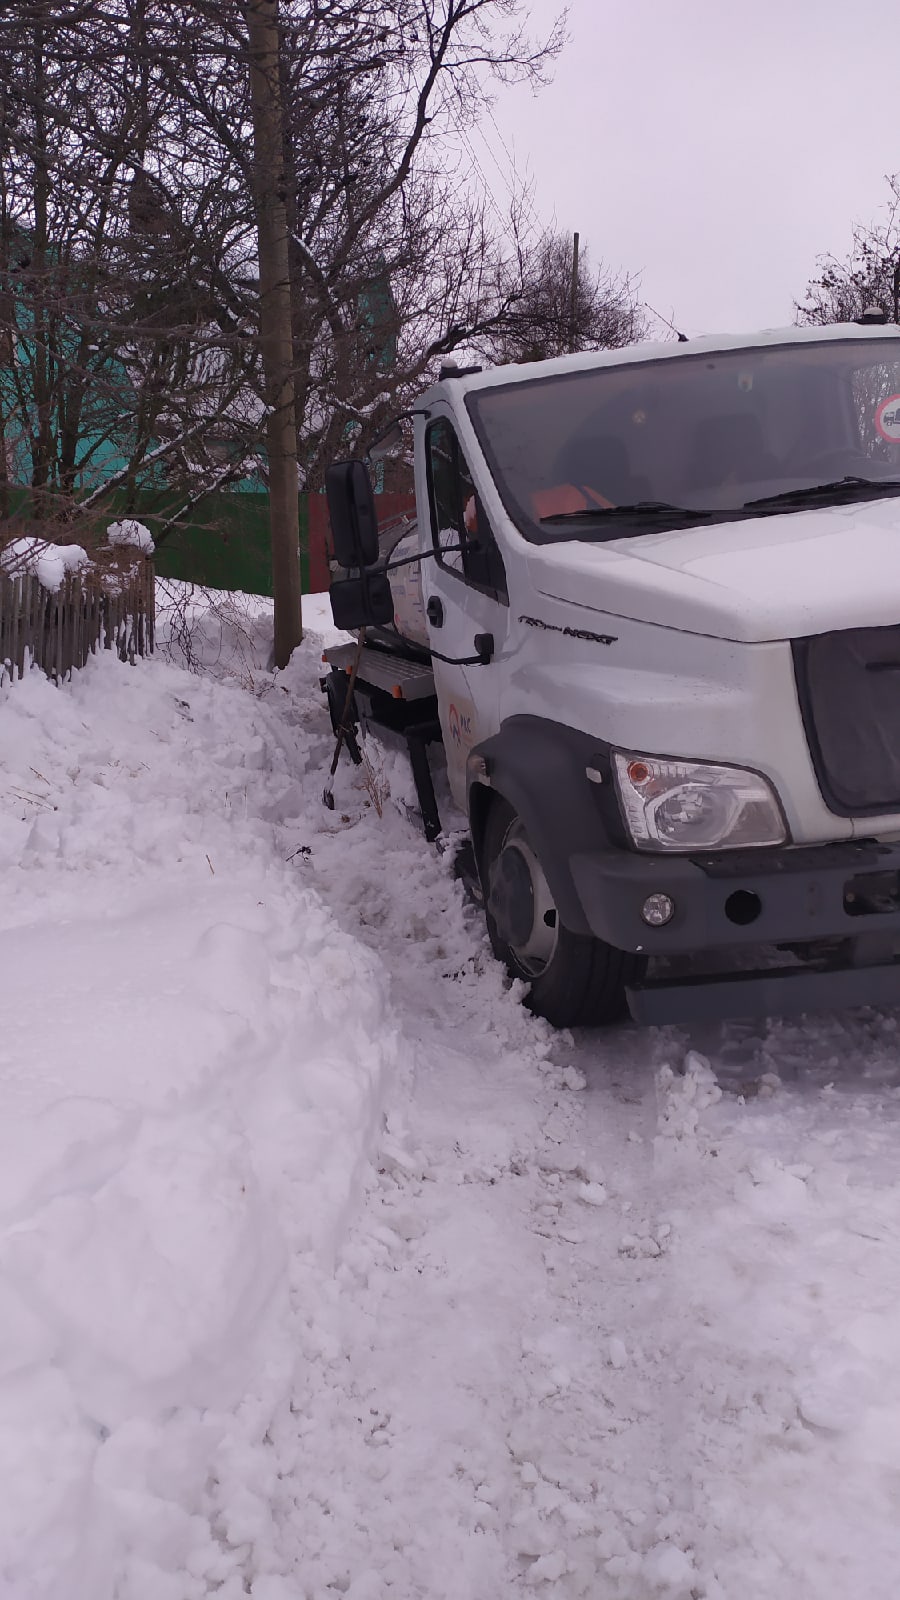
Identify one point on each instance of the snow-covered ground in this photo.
(326, 1271)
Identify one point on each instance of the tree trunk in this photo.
(40, 274)
(275, 321)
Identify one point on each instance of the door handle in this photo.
(434, 611)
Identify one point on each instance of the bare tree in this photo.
(154, 161)
(546, 318)
(168, 249)
(393, 260)
(869, 276)
(116, 221)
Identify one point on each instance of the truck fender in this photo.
(539, 767)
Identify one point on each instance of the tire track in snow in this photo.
(481, 1415)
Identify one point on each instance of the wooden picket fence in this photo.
(57, 631)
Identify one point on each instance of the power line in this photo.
(517, 195)
(503, 221)
(533, 217)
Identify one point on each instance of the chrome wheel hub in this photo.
(521, 905)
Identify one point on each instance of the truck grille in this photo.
(849, 689)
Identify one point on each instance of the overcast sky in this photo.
(716, 148)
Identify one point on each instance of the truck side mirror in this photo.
(351, 510)
(387, 442)
(363, 602)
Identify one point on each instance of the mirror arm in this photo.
(425, 555)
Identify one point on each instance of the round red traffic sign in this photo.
(887, 419)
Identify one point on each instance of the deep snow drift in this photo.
(327, 1271)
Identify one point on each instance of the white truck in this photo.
(661, 647)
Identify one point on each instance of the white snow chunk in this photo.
(668, 1568)
(617, 1353)
(548, 1569)
(43, 835)
(49, 563)
(130, 532)
(573, 1078)
(254, 755)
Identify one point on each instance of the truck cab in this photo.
(662, 590)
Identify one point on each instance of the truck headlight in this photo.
(693, 805)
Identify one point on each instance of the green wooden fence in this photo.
(224, 543)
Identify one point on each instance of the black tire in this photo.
(576, 980)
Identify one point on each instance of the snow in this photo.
(49, 563)
(128, 532)
(326, 1270)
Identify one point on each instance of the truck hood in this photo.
(774, 577)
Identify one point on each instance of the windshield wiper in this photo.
(640, 509)
(847, 488)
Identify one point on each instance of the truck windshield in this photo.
(617, 451)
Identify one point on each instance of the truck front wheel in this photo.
(575, 980)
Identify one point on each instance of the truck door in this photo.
(466, 597)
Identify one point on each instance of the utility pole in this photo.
(275, 320)
(573, 299)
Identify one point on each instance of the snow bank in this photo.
(230, 635)
(193, 1059)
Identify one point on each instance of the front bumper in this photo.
(840, 903)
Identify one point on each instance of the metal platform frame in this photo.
(397, 695)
